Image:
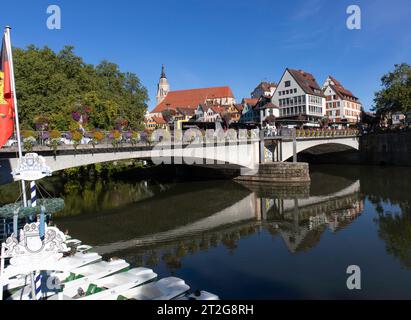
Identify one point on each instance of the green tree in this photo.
(53, 84)
(395, 230)
(396, 92)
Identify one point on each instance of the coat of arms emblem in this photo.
(31, 168)
(32, 240)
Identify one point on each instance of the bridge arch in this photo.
(320, 145)
(244, 155)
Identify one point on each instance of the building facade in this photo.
(155, 122)
(298, 96)
(398, 118)
(250, 114)
(341, 104)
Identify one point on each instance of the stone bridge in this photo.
(240, 153)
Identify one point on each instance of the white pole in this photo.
(33, 287)
(13, 89)
(3, 250)
(16, 223)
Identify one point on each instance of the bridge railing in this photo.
(142, 138)
(317, 133)
(326, 133)
(39, 141)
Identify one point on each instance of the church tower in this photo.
(163, 87)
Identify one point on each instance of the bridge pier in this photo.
(280, 172)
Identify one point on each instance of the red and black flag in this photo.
(6, 96)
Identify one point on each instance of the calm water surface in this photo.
(255, 242)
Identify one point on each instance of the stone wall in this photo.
(386, 149)
(280, 172)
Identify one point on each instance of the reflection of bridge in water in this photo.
(298, 221)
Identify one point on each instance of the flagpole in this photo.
(13, 89)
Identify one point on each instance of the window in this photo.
(295, 90)
(287, 84)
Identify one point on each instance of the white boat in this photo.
(199, 295)
(76, 261)
(67, 263)
(164, 289)
(92, 272)
(77, 277)
(84, 248)
(73, 242)
(111, 286)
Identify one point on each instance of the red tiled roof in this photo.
(307, 82)
(336, 82)
(192, 98)
(250, 102)
(159, 120)
(340, 90)
(219, 109)
(266, 85)
(239, 107)
(270, 105)
(186, 111)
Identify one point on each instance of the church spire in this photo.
(163, 73)
(163, 87)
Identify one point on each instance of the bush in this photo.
(28, 143)
(28, 133)
(77, 136)
(116, 134)
(55, 134)
(135, 137)
(115, 137)
(55, 137)
(98, 136)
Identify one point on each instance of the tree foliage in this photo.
(395, 230)
(396, 92)
(54, 84)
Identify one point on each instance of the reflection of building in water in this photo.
(341, 218)
(303, 235)
(301, 223)
(301, 228)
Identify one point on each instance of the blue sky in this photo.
(231, 42)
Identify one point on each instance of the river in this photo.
(253, 241)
